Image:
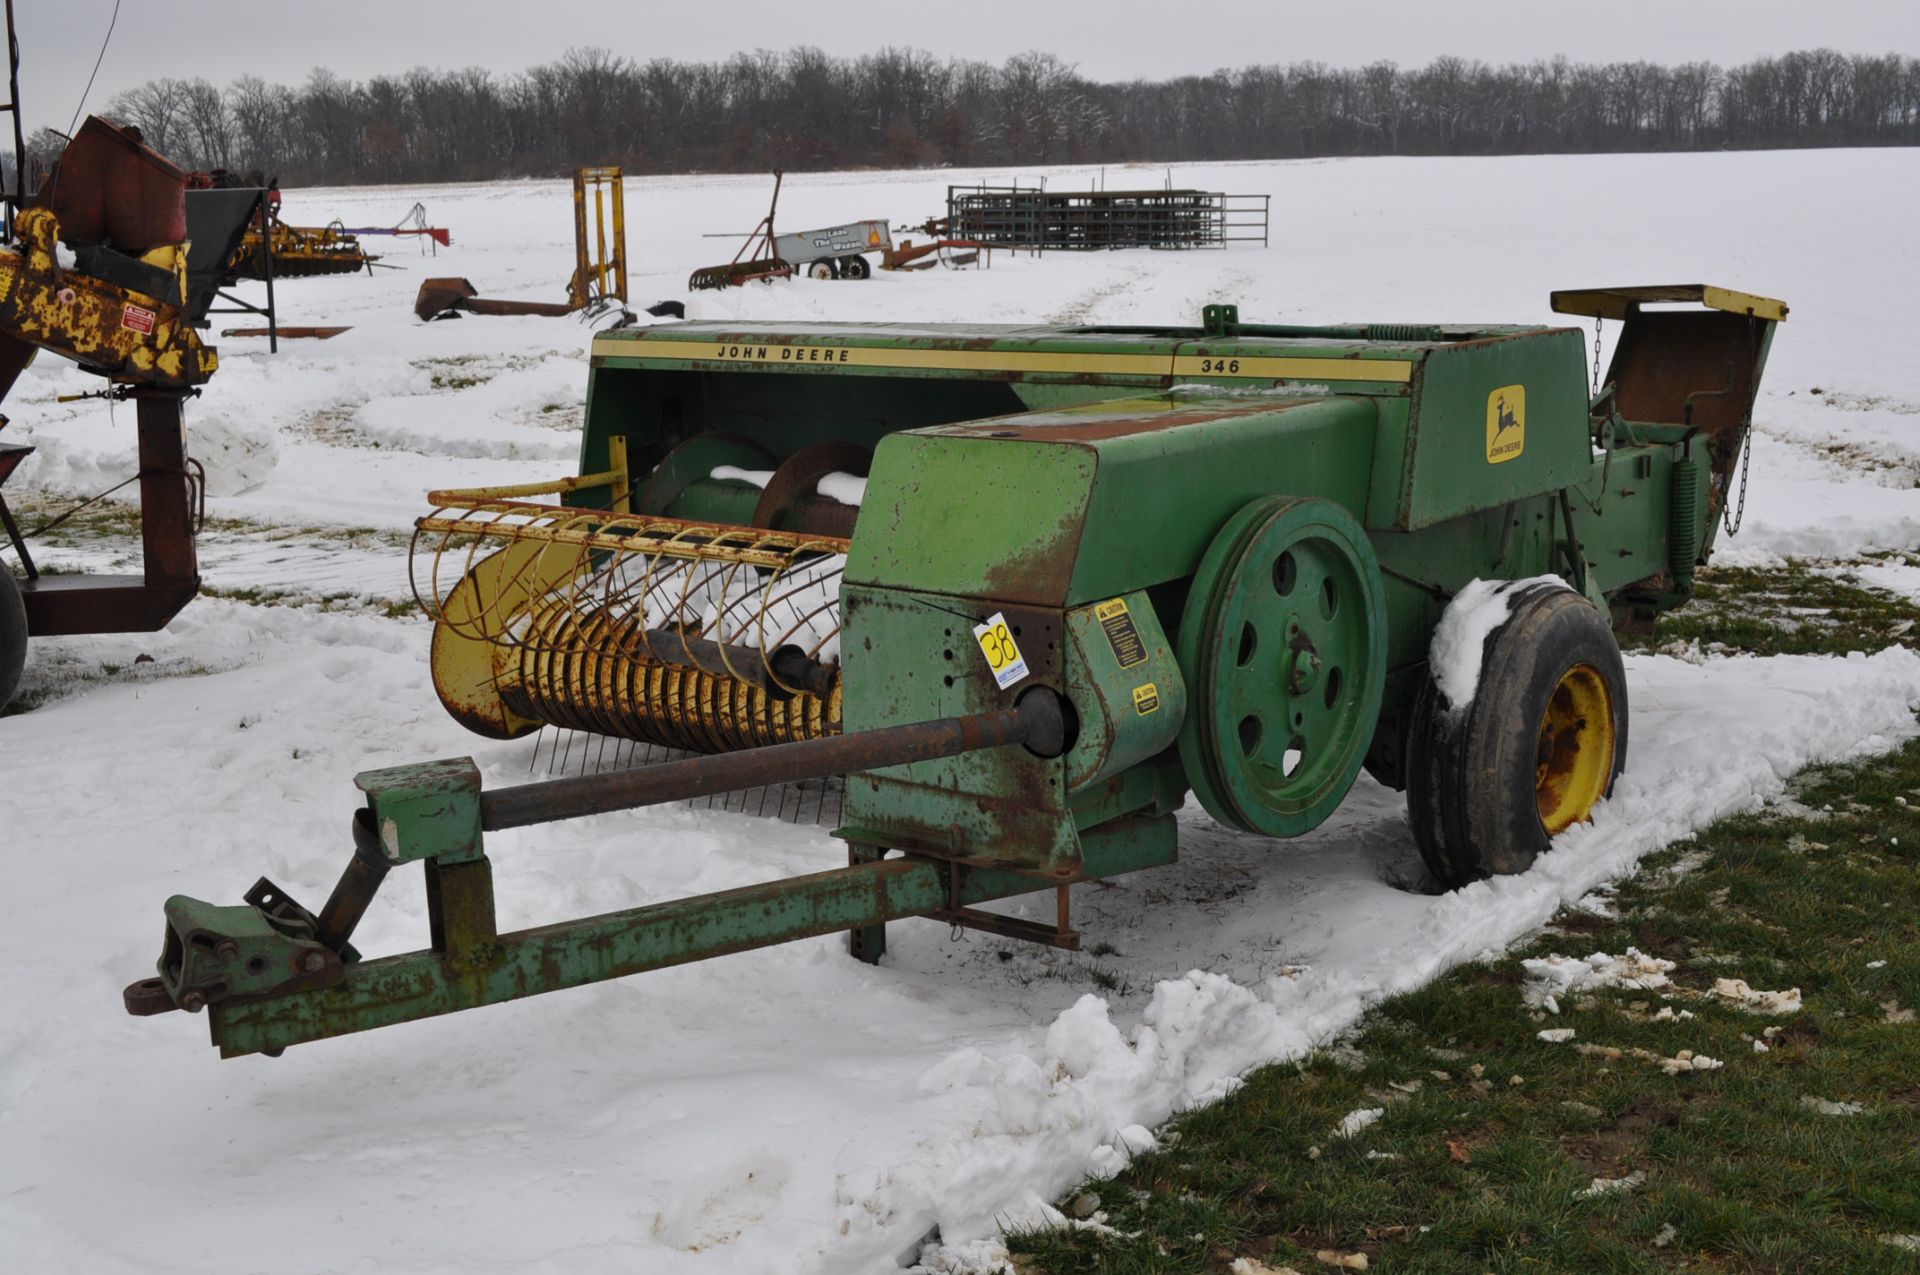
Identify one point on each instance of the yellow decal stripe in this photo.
(779, 355)
(774, 354)
(1398, 371)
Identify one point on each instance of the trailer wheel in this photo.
(823, 269)
(855, 267)
(13, 636)
(1490, 786)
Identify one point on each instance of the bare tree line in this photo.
(805, 109)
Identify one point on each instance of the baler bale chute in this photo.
(1024, 588)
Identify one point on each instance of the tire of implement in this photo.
(1542, 741)
(13, 636)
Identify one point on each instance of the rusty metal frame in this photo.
(608, 260)
(757, 259)
(11, 454)
(1082, 220)
(69, 604)
(599, 277)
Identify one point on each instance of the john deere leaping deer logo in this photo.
(1506, 423)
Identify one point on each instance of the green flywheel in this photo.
(1284, 646)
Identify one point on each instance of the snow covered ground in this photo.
(791, 1110)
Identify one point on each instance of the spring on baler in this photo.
(694, 636)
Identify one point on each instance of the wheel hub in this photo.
(1573, 760)
(1305, 664)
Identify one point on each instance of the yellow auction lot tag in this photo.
(1002, 652)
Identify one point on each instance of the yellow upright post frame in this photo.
(600, 273)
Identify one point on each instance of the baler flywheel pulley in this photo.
(1285, 632)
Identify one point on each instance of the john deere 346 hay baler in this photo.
(1024, 588)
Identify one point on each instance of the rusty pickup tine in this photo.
(1036, 721)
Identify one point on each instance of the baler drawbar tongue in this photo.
(274, 974)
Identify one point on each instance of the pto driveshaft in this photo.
(1036, 722)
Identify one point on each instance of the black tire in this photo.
(855, 267)
(13, 635)
(823, 269)
(1483, 785)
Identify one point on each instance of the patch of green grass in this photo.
(33, 507)
(1485, 1161)
(55, 677)
(1788, 610)
(111, 521)
(334, 426)
(458, 372)
(390, 608)
(1025, 966)
(1491, 1138)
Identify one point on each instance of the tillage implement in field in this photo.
(1024, 588)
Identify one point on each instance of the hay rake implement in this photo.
(757, 261)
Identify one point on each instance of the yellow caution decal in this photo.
(1122, 634)
(1146, 699)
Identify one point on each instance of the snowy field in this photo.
(791, 1110)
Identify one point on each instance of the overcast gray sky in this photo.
(1119, 39)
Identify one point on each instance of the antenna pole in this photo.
(19, 194)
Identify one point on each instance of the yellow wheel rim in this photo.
(1574, 763)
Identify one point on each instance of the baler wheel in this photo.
(1283, 646)
(13, 635)
(1489, 787)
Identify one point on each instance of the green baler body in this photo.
(1070, 484)
(1040, 472)
(1095, 492)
